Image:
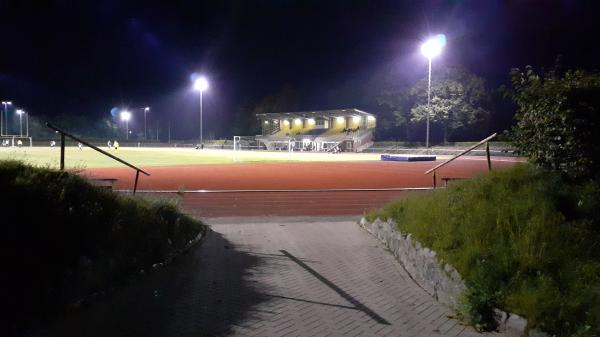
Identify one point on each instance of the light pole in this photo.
(20, 113)
(4, 118)
(430, 49)
(201, 84)
(146, 109)
(125, 116)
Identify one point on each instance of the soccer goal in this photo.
(246, 143)
(15, 141)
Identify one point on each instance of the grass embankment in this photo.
(65, 239)
(523, 239)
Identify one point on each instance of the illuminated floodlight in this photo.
(125, 115)
(20, 112)
(339, 119)
(267, 122)
(356, 119)
(370, 118)
(286, 122)
(297, 121)
(7, 102)
(147, 108)
(311, 121)
(433, 47)
(201, 84)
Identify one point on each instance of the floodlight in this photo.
(147, 108)
(340, 119)
(433, 47)
(311, 121)
(125, 115)
(201, 84)
(286, 122)
(267, 122)
(20, 112)
(297, 121)
(356, 119)
(370, 118)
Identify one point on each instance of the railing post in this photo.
(487, 151)
(62, 151)
(434, 180)
(137, 175)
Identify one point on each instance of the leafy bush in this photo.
(558, 119)
(65, 239)
(525, 241)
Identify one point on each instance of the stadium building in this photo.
(349, 130)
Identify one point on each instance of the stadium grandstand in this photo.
(346, 130)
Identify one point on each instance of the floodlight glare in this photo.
(311, 121)
(433, 47)
(370, 118)
(286, 122)
(125, 115)
(147, 109)
(20, 112)
(356, 119)
(201, 84)
(297, 121)
(267, 122)
(340, 119)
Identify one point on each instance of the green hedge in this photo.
(65, 239)
(524, 240)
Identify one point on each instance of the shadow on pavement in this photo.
(203, 293)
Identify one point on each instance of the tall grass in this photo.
(65, 239)
(524, 240)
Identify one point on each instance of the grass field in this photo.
(144, 157)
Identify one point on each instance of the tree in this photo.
(558, 119)
(396, 104)
(458, 100)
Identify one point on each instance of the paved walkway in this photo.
(278, 278)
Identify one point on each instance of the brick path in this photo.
(276, 278)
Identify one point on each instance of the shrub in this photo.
(557, 120)
(524, 240)
(65, 239)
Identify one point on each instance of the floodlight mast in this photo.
(4, 118)
(20, 113)
(201, 84)
(125, 116)
(430, 49)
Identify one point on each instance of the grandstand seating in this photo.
(344, 129)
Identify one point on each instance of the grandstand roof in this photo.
(316, 113)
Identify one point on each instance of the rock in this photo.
(515, 326)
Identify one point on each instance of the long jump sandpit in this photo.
(292, 189)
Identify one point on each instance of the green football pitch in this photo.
(88, 158)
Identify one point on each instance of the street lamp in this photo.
(430, 49)
(20, 113)
(146, 109)
(125, 116)
(201, 84)
(4, 118)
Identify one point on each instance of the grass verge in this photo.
(64, 239)
(524, 240)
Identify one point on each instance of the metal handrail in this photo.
(62, 153)
(487, 149)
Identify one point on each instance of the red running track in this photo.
(292, 176)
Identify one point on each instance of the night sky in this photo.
(85, 57)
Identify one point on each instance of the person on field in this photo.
(116, 145)
(109, 144)
(80, 146)
(19, 143)
(52, 143)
